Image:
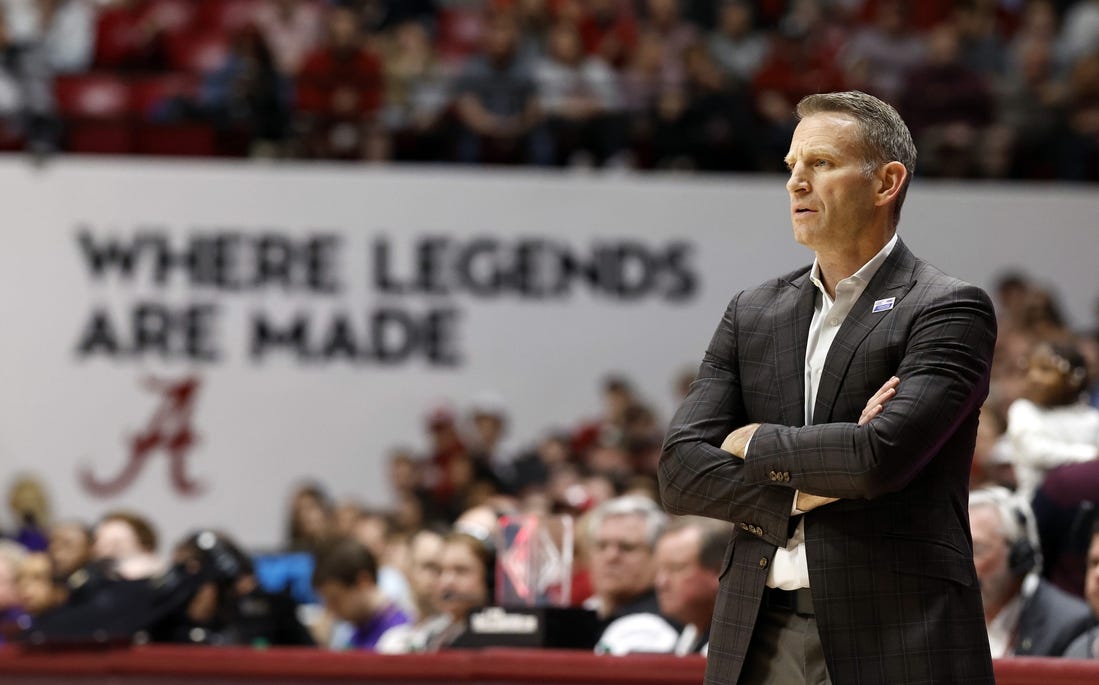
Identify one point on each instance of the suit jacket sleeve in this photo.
(944, 374)
(696, 475)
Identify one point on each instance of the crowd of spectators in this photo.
(405, 577)
(991, 88)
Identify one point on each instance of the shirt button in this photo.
(834, 322)
(763, 562)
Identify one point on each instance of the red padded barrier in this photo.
(179, 664)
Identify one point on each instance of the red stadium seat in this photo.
(94, 96)
(94, 110)
(198, 53)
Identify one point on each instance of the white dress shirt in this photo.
(789, 570)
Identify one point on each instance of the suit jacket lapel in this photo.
(893, 279)
(793, 313)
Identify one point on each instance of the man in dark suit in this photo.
(846, 397)
(1025, 614)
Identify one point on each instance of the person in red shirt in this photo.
(339, 93)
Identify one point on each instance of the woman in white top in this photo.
(1051, 425)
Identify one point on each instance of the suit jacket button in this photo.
(786, 477)
(763, 562)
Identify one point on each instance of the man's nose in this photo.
(796, 183)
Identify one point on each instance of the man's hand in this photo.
(877, 403)
(736, 443)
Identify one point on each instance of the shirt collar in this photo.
(865, 272)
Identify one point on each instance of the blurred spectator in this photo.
(1087, 645)
(664, 19)
(346, 578)
(1079, 158)
(688, 557)
(465, 577)
(375, 530)
(340, 90)
(451, 474)
(735, 45)
(947, 105)
(292, 29)
(248, 98)
(1025, 615)
(490, 452)
(496, 102)
(424, 570)
(11, 610)
(532, 469)
(31, 509)
(63, 29)
(129, 541)
(623, 534)
(309, 519)
(417, 97)
(1065, 508)
(535, 19)
(580, 97)
(607, 429)
(709, 125)
(609, 30)
(38, 589)
(795, 67)
(1051, 425)
(26, 94)
(1080, 30)
(991, 453)
(1030, 112)
(134, 35)
(879, 56)
(981, 43)
(70, 547)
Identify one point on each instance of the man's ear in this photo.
(891, 179)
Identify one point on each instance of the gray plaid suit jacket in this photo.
(891, 563)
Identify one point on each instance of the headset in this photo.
(1022, 557)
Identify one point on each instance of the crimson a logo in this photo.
(169, 430)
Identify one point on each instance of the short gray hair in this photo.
(713, 538)
(885, 136)
(631, 505)
(1016, 517)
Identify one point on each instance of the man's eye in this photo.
(821, 162)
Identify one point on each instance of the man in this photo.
(425, 551)
(346, 579)
(623, 533)
(1087, 645)
(688, 561)
(853, 562)
(1025, 615)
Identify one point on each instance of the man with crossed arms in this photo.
(844, 398)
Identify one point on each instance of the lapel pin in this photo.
(883, 305)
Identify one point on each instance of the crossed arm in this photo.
(736, 443)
